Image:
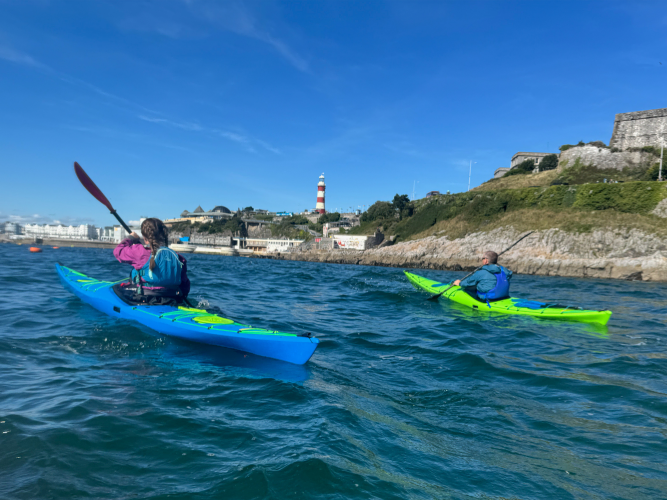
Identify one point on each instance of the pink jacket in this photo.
(131, 251)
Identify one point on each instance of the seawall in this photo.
(53, 242)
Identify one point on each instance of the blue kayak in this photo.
(188, 323)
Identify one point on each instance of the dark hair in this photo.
(492, 256)
(157, 235)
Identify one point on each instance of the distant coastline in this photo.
(601, 253)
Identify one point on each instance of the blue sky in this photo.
(173, 104)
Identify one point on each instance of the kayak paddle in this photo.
(436, 297)
(95, 191)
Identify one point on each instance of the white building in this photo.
(105, 233)
(12, 228)
(281, 245)
(119, 234)
(353, 242)
(60, 231)
(262, 245)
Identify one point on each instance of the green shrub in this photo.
(632, 197)
(525, 167)
(549, 163)
(565, 147)
(330, 217)
(580, 173)
(652, 173)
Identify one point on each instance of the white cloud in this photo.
(43, 219)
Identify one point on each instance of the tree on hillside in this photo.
(525, 167)
(549, 163)
(248, 209)
(378, 211)
(402, 205)
(330, 217)
(400, 201)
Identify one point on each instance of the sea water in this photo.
(404, 398)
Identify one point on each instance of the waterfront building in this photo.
(12, 228)
(266, 245)
(60, 231)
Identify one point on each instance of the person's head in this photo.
(490, 258)
(156, 235)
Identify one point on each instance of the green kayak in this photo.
(522, 307)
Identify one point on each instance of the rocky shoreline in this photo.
(616, 254)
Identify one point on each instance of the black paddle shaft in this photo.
(436, 297)
(122, 222)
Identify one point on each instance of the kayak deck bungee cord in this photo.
(188, 323)
(520, 307)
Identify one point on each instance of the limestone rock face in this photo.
(599, 254)
(604, 158)
(661, 209)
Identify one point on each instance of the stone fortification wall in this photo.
(639, 129)
(604, 158)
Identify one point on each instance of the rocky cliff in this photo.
(601, 253)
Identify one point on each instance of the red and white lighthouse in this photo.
(320, 196)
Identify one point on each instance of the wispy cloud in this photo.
(249, 143)
(232, 16)
(171, 123)
(109, 133)
(18, 57)
(235, 17)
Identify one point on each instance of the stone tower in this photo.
(640, 128)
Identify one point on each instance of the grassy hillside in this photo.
(519, 181)
(576, 208)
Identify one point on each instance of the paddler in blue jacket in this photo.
(491, 282)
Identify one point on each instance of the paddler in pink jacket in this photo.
(156, 268)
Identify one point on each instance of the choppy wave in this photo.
(403, 399)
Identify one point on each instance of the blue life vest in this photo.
(167, 270)
(500, 291)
